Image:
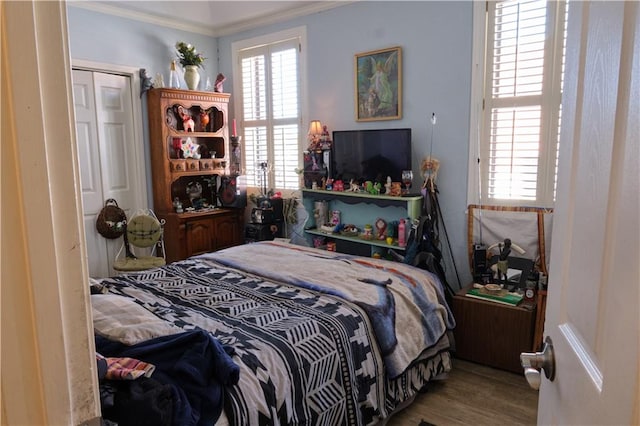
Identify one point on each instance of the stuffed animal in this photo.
(368, 187)
(396, 189)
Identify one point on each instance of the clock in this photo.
(529, 294)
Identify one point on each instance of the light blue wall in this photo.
(119, 41)
(436, 41)
(114, 40)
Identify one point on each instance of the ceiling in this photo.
(214, 18)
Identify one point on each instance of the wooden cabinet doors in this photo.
(212, 233)
(200, 236)
(227, 231)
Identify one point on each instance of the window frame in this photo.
(299, 33)
(479, 123)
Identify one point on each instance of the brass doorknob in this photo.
(533, 362)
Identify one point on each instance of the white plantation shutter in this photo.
(513, 155)
(254, 87)
(255, 148)
(285, 156)
(521, 101)
(271, 113)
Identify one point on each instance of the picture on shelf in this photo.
(378, 84)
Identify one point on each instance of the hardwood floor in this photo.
(473, 395)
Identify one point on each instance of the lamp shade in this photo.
(315, 128)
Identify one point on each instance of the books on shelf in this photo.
(502, 296)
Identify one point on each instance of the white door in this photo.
(108, 162)
(592, 314)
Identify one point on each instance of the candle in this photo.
(234, 127)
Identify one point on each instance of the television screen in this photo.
(373, 155)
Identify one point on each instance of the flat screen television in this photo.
(373, 155)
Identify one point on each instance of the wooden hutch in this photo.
(180, 121)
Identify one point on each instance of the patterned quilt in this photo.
(321, 338)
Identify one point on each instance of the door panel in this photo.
(104, 129)
(90, 175)
(592, 313)
(86, 134)
(115, 132)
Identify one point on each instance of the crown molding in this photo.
(143, 17)
(281, 16)
(192, 27)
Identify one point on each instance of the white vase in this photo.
(191, 76)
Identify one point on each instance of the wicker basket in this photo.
(112, 220)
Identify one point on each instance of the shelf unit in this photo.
(360, 208)
(357, 240)
(412, 203)
(208, 228)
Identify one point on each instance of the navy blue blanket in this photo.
(195, 363)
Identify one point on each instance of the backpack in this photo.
(422, 250)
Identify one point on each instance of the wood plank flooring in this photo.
(473, 395)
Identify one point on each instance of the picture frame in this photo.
(378, 84)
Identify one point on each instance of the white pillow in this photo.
(121, 319)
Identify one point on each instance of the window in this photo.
(518, 120)
(268, 72)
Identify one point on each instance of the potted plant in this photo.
(190, 60)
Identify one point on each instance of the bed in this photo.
(297, 335)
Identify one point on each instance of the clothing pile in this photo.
(171, 380)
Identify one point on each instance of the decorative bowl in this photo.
(492, 288)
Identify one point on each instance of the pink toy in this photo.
(335, 217)
(187, 122)
(217, 87)
(402, 233)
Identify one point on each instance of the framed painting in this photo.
(378, 84)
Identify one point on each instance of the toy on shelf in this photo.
(217, 86)
(381, 229)
(187, 122)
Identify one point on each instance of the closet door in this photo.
(104, 128)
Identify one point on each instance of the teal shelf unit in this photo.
(360, 208)
(412, 203)
(373, 242)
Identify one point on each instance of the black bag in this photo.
(423, 252)
(112, 220)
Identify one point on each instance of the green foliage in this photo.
(188, 55)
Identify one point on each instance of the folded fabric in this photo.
(124, 368)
